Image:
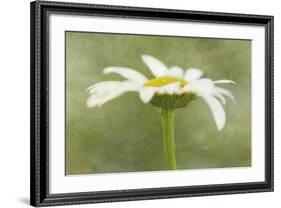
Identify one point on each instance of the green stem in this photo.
(168, 118)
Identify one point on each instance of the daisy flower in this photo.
(169, 89)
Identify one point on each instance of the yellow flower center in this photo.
(161, 81)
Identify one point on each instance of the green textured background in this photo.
(125, 135)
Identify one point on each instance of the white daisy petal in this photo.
(124, 87)
(214, 96)
(192, 74)
(201, 86)
(157, 68)
(216, 109)
(219, 96)
(98, 96)
(129, 86)
(169, 88)
(113, 94)
(102, 85)
(224, 81)
(225, 92)
(175, 71)
(207, 86)
(187, 88)
(105, 93)
(127, 73)
(146, 93)
(92, 102)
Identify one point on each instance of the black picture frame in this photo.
(39, 187)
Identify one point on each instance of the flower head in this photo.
(171, 87)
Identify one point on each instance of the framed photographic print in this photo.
(132, 103)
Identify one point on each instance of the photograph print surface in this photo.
(156, 103)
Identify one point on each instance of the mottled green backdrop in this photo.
(125, 135)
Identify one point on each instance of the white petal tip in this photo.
(145, 101)
(193, 74)
(107, 70)
(223, 81)
(220, 127)
(146, 94)
(111, 69)
(89, 105)
(216, 109)
(145, 56)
